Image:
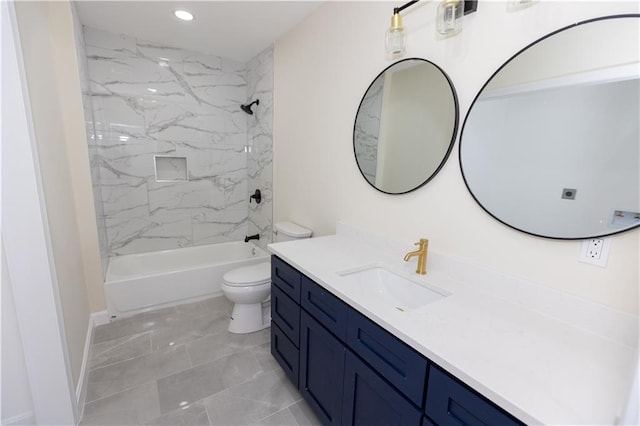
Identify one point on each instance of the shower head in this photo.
(247, 108)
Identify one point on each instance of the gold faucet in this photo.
(422, 256)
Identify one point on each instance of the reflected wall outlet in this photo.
(595, 251)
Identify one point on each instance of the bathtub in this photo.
(142, 282)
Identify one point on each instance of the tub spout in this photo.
(251, 237)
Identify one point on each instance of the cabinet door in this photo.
(322, 359)
(451, 403)
(369, 400)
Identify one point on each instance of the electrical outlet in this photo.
(595, 251)
(594, 248)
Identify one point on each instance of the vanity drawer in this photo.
(286, 314)
(285, 352)
(326, 308)
(402, 366)
(450, 402)
(286, 277)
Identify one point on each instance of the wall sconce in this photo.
(449, 22)
(396, 37)
(450, 13)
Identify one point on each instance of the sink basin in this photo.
(389, 288)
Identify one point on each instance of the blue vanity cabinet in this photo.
(285, 317)
(449, 402)
(351, 371)
(370, 400)
(322, 358)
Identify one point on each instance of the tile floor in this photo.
(180, 366)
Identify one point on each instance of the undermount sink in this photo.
(389, 287)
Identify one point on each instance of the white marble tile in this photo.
(149, 99)
(124, 197)
(143, 234)
(130, 158)
(219, 160)
(216, 227)
(117, 116)
(168, 197)
(183, 122)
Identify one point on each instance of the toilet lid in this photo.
(249, 275)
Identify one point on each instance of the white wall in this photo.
(46, 36)
(328, 62)
(16, 402)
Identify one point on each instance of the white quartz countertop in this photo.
(536, 367)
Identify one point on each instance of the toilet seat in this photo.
(248, 276)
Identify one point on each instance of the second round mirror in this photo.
(405, 126)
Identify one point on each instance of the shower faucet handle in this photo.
(256, 196)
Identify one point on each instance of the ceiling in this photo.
(231, 29)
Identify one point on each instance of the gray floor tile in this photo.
(247, 403)
(120, 376)
(201, 381)
(133, 325)
(304, 415)
(184, 329)
(120, 349)
(281, 418)
(217, 306)
(189, 415)
(263, 355)
(134, 406)
(223, 344)
(141, 372)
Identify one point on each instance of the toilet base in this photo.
(247, 318)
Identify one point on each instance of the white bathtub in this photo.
(141, 282)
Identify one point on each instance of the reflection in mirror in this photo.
(405, 126)
(551, 144)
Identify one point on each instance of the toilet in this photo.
(249, 287)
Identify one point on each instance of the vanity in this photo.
(365, 356)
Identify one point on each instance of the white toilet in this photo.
(249, 287)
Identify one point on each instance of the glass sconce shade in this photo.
(449, 19)
(396, 37)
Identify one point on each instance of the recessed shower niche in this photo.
(170, 169)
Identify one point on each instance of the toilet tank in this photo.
(289, 231)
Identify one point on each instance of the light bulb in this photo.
(449, 19)
(183, 14)
(396, 37)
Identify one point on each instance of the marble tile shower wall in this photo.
(260, 141)
(152, 100)
(91, 138)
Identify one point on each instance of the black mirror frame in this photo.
(453, 136)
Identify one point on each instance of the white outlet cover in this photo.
(602, 261)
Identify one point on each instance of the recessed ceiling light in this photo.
(184, 15)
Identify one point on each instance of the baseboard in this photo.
(21, 419)
(100, 318)
(96, 319)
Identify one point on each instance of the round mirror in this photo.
(405, 126)
(551, 143)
